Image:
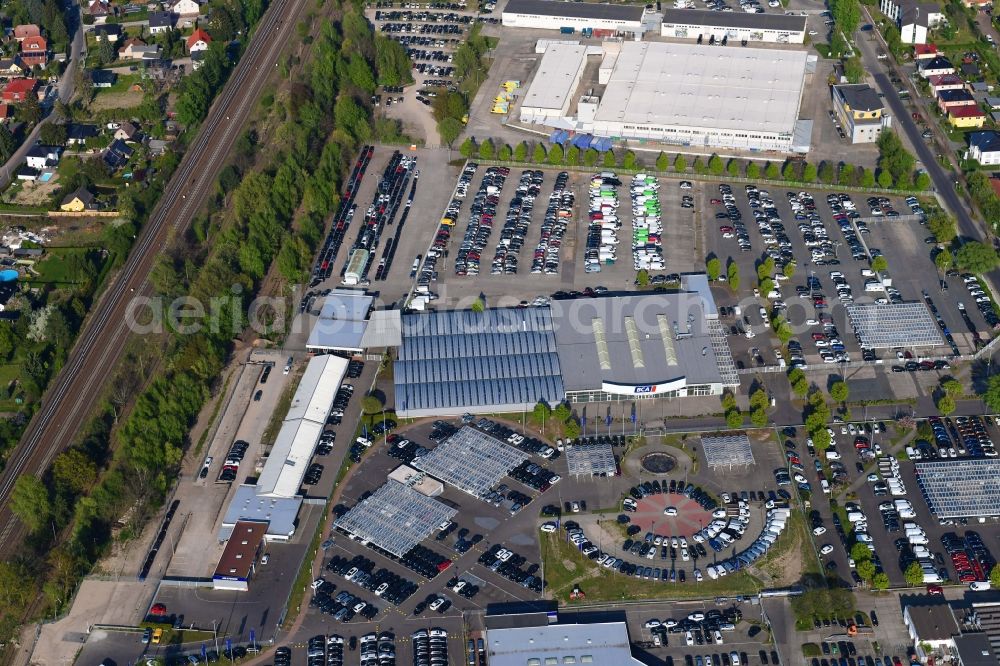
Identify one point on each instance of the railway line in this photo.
(73, 394)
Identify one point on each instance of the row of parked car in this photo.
(515, 226)
(973, 561)
(384, 583)
(647, 223)
(422, 17)
(323, 651)
(557, 214)
(378, 649)
(323, 267)
(482, 212)
(233, 459)
(420, 40)
(602, 230)
(983, 303)
(511, 566)
(430, 648)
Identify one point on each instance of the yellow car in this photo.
(157, 635)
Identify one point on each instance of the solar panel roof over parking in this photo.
(894, 325)
(471, 460)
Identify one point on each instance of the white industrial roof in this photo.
(657, 83)
(556, 76)
(314, 396)
(279, 513)
(342, 321)
(599, 644)
(289, 458)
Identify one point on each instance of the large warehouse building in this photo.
(735, 26)
(658, 345)
(553, 15)
(682, 94)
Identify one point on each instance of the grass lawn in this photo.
(565, 566)
(56, 268)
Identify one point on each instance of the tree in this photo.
(846, 174)
(733, 275)
(860, 552)
(753, 170)
(867, 177)
(881, 580)
(571, 429)
(772, 171)
(53, 134)
(521, 152)
(504, 153)
(590, 157)
(106, 52)
(734, 419)
(629, 160)
(539, 154)
(714, 268)
(609, 160)
(854, 70)
(922, 181)
(797, 380)
(73, 471)
(884, 179)
(826, 173)
(943, 260)
(942, 226)
(680, 164)
(572, 155)
(914, 574)
(952, 387)
(450, 129)
(642, 278)
(758, 417)
(976, 257)
(839, 391)
(733, 168)
(788, 171)
(662, 162)
(821, 439)
(478, 306)
(30, 502)
(991, 396)
(866, 569)
(879, 264)
(945, 405)
(809, 172)
(788, 270)
(555, 155)
(468, 147)
(486, 150)
(715, 165)
(541, 411)
(995, 577)
(371, 404)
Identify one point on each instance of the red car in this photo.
(158, 609)
(933, 589)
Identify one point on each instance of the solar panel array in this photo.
(962, 488)
(471, 460)
(591, 459)
(727, 450)
(451, 362)
(894, 325)
(395, 518)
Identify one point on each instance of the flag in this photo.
(253, 638)
(608, 419)
(633, 413)
(229, 645)
(204, 653)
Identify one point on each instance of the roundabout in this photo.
(658, 462)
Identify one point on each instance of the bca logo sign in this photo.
(651, 388)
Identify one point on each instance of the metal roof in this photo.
(342, 321)
(556, 77)
(707, 18)
(975, 649)
(582, 10)
(894, 325)
(598, 644)
(670, 84)
(241, 552)
(289, 459)
(933, 621)
(318, 388)
(461, 361)
(860, 97)
(668, 332)
(961, 488)
(385, 329)
(987, 141)
(278, 512)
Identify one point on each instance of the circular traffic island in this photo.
(658, 462)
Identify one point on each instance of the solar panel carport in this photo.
(450, 363)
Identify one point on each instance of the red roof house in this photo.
(18, 90)
(35, 51)
(22, 32)
(924, 51)
(198, 41)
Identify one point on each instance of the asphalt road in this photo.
(73, 394)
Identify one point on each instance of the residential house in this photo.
(77, 134)
(109, 31)
(198, 41)
(80, 200)
(993, 102)
(984, 147)
(186, 8)
(935, 66)
(136, 49)
(160, 22)
(99, 9)
(117, 154)
(980, 87)
(947, 99)
(128, 131)
(924, 51)
(913, 19)
(18, 90)
(103, 78)
(157, 147)
(42, 157)
(977, 4)
(940, 82)
(966, 116)
(11, 67)
(35, 51)
(6, 112)
(970, 69)
(930, 625)
(860, 111)
(22, 32)
(197, 60)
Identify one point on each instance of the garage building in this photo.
(695, 95)
(736, 26)
(239, 559)
(556, 80)
(552, 15)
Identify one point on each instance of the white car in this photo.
(437, 603)
(826, 549)
(872, 478)
(718, 637)
(819, 530)
(669, 623)
(548, 527)
(670, 511)
(685, 185)
(696, 617)
(698, 575)
(689, 638)
(979, 585)
(652, 624)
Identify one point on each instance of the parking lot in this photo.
(828, 255)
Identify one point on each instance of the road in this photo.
(73, 394)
